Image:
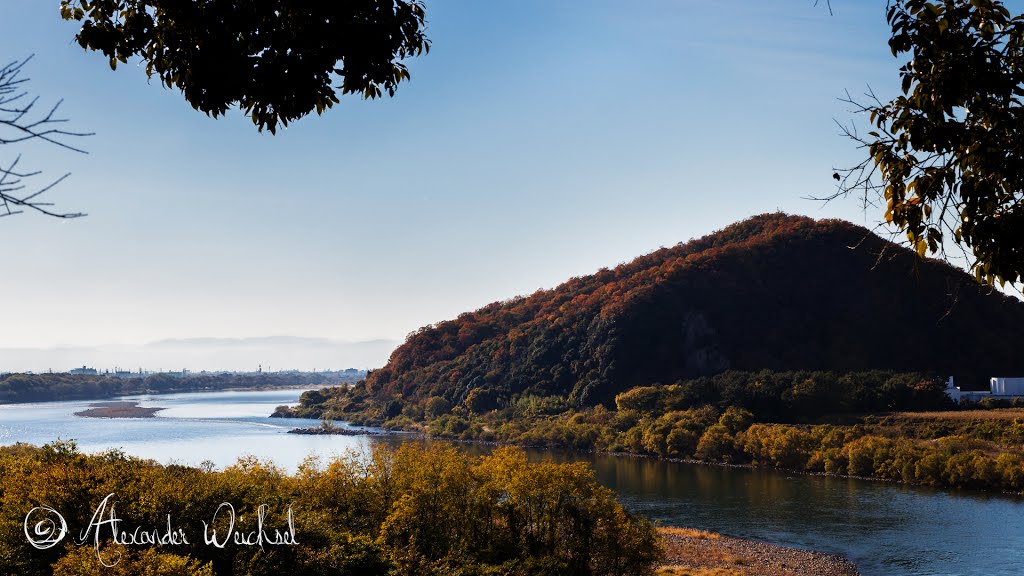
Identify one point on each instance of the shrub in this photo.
(717, 444)
(641, 398)
(482, 400)
(436, 406)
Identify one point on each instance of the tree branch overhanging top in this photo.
(946, 156)
(274, 59)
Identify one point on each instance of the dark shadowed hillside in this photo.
(776, 291)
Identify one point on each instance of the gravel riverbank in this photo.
(698, 553)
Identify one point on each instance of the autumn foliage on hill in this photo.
(774, 292)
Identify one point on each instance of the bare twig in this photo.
(19, 123)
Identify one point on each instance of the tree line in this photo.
(16, 388)
(881, 424)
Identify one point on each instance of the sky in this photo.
(536, 141)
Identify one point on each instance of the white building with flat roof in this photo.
(1007, 387)
(999, 388)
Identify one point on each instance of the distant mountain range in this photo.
(773, 292)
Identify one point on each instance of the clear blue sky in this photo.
(537, 141)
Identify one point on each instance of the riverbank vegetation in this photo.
(16, 388)
(410, 510)
(885, 425)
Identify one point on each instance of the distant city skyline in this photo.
(537, 141)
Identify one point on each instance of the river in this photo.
(886, 529)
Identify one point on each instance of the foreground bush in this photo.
(411, 510)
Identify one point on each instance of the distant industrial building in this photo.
(1000, 388)
(121, 373)
(83, 370)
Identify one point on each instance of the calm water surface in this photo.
(193, 427)
(886, 529)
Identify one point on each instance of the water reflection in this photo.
(886, 529)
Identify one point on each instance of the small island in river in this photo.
(120, 409)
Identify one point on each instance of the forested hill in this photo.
(773, 292)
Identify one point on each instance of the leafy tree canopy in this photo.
(947, 153)
(275, 59)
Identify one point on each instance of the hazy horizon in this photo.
(272, 353)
